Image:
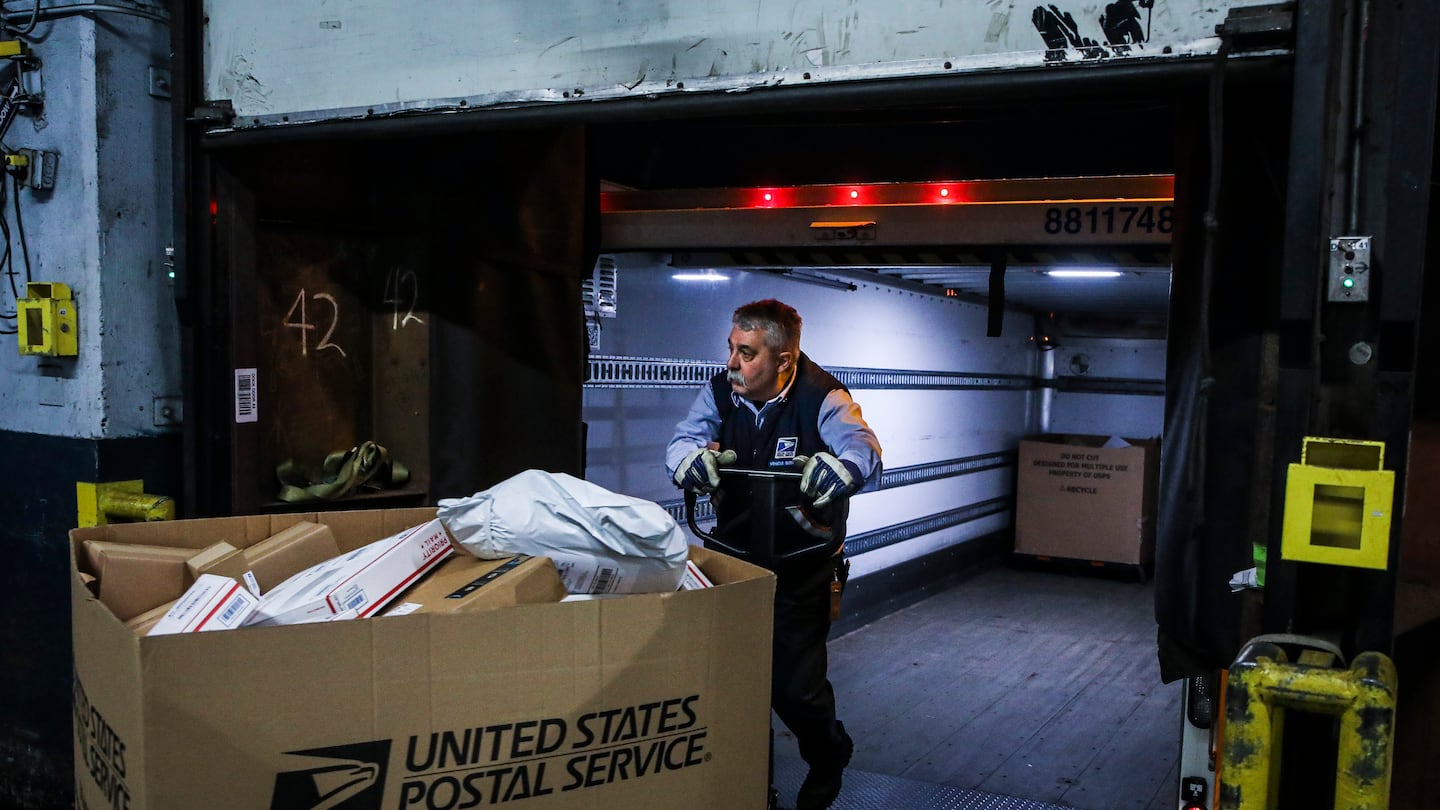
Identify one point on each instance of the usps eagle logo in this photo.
(785, 448)
(343, 777)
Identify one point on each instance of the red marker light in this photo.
(771, 198)
(854, 194)
(947, 193)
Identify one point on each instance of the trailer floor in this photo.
(875, 791)
(1014, 686)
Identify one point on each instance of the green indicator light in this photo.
(172, 274)
(1348, 283)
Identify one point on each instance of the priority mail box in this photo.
(363, 580)
(648, 701)
(213, 603)
(695, 578)
(1078, 498)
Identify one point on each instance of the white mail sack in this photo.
(601, 541)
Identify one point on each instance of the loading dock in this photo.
(519, 212)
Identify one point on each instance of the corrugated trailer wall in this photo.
(948, 403)
(1109, 386)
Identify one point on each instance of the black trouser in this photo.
(800, 692)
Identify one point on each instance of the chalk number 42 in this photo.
(305, 327)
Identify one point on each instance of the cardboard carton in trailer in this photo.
(1087, 498)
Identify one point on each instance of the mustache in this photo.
(735, 378)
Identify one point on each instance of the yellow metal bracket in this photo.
(48, 325)
(1262, 685)
(1338, 503)
(120, 501)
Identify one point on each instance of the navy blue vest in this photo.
(802, 532)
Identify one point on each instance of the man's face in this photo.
(755, 369)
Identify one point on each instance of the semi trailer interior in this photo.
(962, 324)
(958, 336)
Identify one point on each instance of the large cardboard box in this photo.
(649, 701)
(1078, 499)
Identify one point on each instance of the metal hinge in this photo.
(1258, 28)
(218, 112)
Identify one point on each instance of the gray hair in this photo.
(778, 320)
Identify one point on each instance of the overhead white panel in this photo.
(290, 61)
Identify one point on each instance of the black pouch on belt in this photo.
(837, 587)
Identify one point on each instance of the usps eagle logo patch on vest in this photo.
(785, 447)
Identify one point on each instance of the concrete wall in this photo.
(102, 230)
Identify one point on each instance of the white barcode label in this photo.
(227, 616)
(353, 600)
(247, 405)
(605, 580)
(252, 583)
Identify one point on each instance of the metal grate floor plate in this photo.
(873, 791)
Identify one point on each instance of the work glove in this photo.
(700, 471)
(825, 478)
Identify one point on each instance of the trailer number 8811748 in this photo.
(1110, 219)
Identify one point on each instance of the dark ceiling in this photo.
(1046, 138)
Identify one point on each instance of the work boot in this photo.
(822, 784)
